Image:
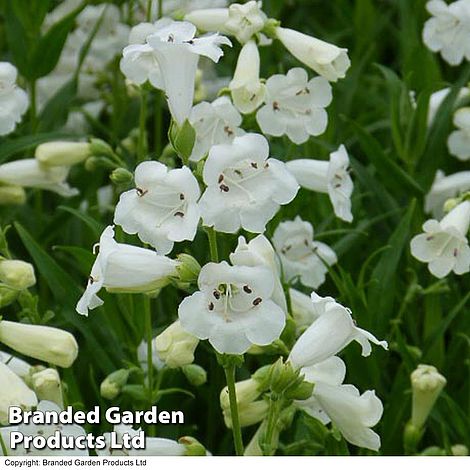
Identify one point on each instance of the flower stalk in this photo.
(229, 370)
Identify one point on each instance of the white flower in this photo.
(444, 245)
(330, 177)
(30, 173)
(448, 31)
(17, 274)
(300, 255)
(295, 106)
(175, 346)
(18, 366)
(233, 308)
(48, 430)
(13, 100)
(260, 252)
(353, 414)
(162, 209)
(247, 90)
(244, 187)
(240, 20)
(60, 153)
(333, 330)
(443, 188)
(41, 342)
(124, 268)
(459, 140)
(214, 123)
(153, 445)
(302, 309)
(326, 59)
(13, 392)
(437, 98)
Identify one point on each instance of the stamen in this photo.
(221, 178)
(211, 306)
(216, 294)
(91, 279)
(247, 289)
(228, 131)
(276, 106)
(254, 165)
(179, 214)
(257, 301)
(224, 188)
(181, 197)
(431, 237)
(456, 252)
(141, 192)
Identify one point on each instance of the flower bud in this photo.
(195, 374)
(121, 176)
(7, 296)
(47, 385)
(193, 447)
(188, 268)
(459, 450)
(427, 383)
(450, 204)
(44, 343)
(182, 138)
(12, 195)
(18, 366)
(100, 148)
(176, 346)
(112, 385)
(17, 274)
(62, 153)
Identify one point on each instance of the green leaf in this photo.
(96, 227)
(182, 138)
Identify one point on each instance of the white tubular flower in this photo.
(214, 123)
(295, 106)
(448, 31)
(330, 177)
(260, 252)
(153, 445)
(44, 343)
(47, 386)
(62, 153)
(18, 366)
(177, 40)
(233, 308)
(13, 392)
(175, 346)
(162, 209)
(443, 188)
(427, 383)
(436, 99)
(303, 310)
(459, 140)
(330, 333)
(209, 19)
(300, 255)
(244, 186)
(32, 174)
(17, 274)
(326, 59)
(124, 268)
(444, 244)
(247, 90)
(47, 430)
(13, 100)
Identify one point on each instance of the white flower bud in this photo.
(17, 274)
(176, 346)
(12, 195)
(47, 385)
(44, 343)
(62, 153)
(112, 385)
(427, 383)
(13, 392)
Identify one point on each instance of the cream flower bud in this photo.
(176, 346)
(250, 410)
(17, 274)
(459, 450)
(112, 385)
(195, 374)
(209, 19)
(326, 59)
(247, 90)
(12, 195)
(47, 385)
(62, 153)
(44, 343)
(13, 392)
(427, 383)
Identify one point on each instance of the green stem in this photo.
(142, 146)
(232, 395)
(149, 10)
(269, 445)
(149, 339)
(3, 446)
(32, 108)
(158, 123)
(212, 236)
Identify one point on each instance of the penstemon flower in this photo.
(214, 123)
(60, 153)
(162, 209)
(124, 268)
(459, 140)
(295, 106)
(300, 255)
(302, 309)
(330, 177)
(326, 59)
(17, 274)
(444, 244)
(18, 366)
(233, 308)
(448, 30)
(30, 173)
(437, 98)
(443, 188)
(13, 100)
(244, 186)
(248, 92)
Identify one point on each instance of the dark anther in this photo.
(266, 165)
(456, 252)
(224, 188)
(276, 106)
(257, 301)
(431, 237)
(247, 289)
(254, 165)
(216, 294)
(91, 280)
(338, 185)
(211, 306)
(238, 172)
(179, 214)
(228, 131)
(306, 242)
(141, 192)
(221, 178)
(181, 197)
